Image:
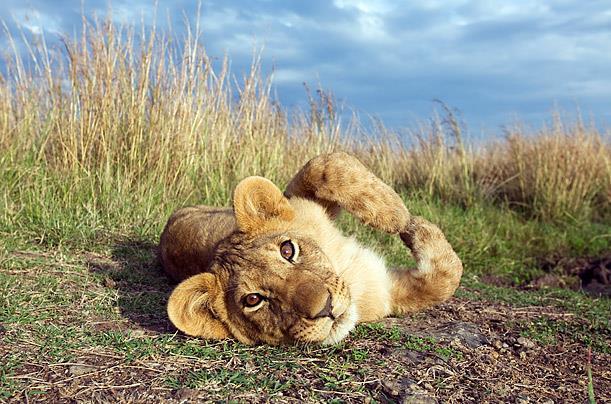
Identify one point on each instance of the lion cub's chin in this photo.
(342, 326)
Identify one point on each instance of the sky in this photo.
(497, 62)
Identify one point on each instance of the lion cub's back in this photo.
(190, 237)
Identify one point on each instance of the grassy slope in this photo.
(77, 322)
(99, 300)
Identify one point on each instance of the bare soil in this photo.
(591, 274)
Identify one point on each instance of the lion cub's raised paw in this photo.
(339, 180)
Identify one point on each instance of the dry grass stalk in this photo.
(118, 112)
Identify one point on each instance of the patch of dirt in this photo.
(591, 274)
(496, 361)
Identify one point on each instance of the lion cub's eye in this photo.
(252, 300)
(287, 250)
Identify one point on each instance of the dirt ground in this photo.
(462, 351)
(473, 348)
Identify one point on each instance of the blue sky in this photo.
(495, 61)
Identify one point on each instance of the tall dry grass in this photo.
(119, 122)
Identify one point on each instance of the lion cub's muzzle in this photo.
(321, 308)
(313, 300)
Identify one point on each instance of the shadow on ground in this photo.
(136, 274)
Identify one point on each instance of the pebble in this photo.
(110, 283)
(526, 343)
(137, 333)
(80, 370)
(186, 393)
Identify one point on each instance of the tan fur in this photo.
(221, 256)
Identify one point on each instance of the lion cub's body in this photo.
(275, 269)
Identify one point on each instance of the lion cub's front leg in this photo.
(438, 270)
(339, 180)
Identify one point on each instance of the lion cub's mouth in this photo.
(342, 325)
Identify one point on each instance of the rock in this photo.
(468, 334)
(186, 394)
(110, 283)
(407, 355)
(391, 387)
(80, 370)
(407, 391)
(526, 343)
(137, 333)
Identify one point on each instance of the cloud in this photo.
(489, 59)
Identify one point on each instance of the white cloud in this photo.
(35, 21)
(391, 58)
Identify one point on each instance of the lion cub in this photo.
(275, 269)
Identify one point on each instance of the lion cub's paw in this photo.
(420, 234)
(340, 180)
(433, 254)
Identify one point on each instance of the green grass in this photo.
(491, 240)
(64, 305)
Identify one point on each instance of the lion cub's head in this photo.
(268, 282)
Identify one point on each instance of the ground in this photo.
(92, 327)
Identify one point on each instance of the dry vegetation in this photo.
(118, 113)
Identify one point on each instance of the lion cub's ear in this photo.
(189, 308)
(258, 203)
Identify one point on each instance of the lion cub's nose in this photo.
(327, 311)
(313, 300)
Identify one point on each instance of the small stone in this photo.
(80, 370)
(186, 393)
(468, 334)
(391, 387)
(498, 344)
(505, 345)
(110, 283)
(526, 343)
(137, 333)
